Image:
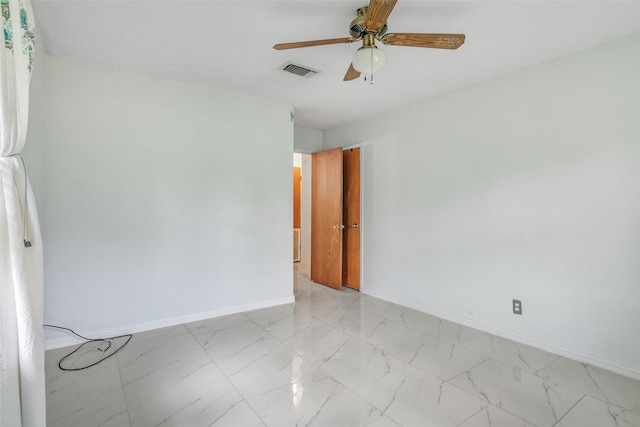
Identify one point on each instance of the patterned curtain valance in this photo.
(27, 35)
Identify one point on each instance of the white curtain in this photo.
(22, 384)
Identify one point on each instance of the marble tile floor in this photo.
(334, 358)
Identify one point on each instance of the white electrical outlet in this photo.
(517, 306)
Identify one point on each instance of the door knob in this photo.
(338, 226)
(354, 225)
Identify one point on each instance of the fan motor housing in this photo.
(357, 29)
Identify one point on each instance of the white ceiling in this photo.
(227, 45)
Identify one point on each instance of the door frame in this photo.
(305, 215)
(306, 212)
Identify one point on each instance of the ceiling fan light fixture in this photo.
(370, 25)
(368, 59)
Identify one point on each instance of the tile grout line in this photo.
(124, 395)
(242, 397)
(570, 409)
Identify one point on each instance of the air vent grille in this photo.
(298, 70)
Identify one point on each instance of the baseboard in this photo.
(163, 323)
(567, 352)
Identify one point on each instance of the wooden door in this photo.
(326, 218)
(297, 174)
(351, 235)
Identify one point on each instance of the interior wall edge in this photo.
(64, 341)
(568, 352)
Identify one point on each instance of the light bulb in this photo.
(368, 60)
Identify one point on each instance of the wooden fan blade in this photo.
(377, 14)
(310, 43)
(352, 74)
(437, 41)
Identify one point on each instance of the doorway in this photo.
(303, 161)
(297, 178)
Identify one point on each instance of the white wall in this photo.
(297, 160)
(526, 186)
(305, 216)
(307, 141)
(159, 202)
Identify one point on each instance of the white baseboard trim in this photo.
(567, 352)
(69, 339)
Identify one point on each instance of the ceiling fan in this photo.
(370, 25)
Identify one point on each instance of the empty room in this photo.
(465, 213)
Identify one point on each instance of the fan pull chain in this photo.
(371, 58)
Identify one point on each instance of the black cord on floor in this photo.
(107, 342)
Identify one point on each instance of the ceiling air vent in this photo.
(299, 70)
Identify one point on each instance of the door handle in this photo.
(354, 225)
(338, 227)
